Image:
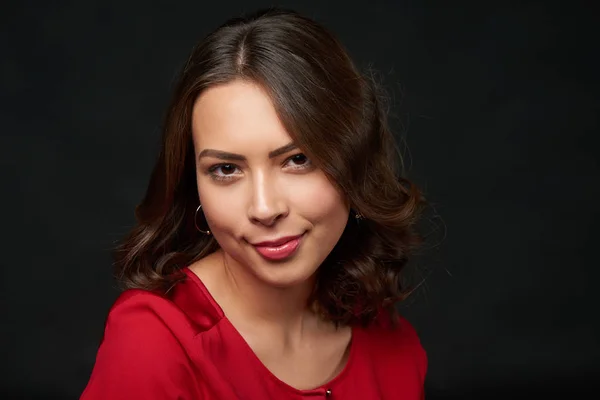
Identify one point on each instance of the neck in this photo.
(281, 309)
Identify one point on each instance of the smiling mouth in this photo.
(279, 249)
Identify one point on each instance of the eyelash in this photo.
(213, 168)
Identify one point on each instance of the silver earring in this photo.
(195, 223)
(358, 215)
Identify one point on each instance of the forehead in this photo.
(236, 116)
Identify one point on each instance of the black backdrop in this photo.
(498, 105)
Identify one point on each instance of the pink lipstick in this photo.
(279, 249)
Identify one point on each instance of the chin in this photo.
(284, 275)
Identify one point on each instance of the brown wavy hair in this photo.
(336, 115)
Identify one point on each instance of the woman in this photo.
(267, 256)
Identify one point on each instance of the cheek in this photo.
(220, 217)
(321, 201)
(220, 208)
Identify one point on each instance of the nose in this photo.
(267, 204)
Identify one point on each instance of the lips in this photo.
(280, 248)
(276, 242)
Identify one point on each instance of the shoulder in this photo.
(141, 310)
(142, 325)
(397, 345)
(143, 348)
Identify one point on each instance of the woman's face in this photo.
(271, 211)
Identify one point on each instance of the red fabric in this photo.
(185, 348)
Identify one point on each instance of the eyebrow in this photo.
(223, 155)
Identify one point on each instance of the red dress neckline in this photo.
(259, 364)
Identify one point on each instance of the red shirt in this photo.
(186, 348)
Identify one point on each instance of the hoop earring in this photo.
(196, 224)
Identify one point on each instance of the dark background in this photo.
(497, 102)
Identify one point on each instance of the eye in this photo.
(298, 161)
(222, 171)
(226, 169)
